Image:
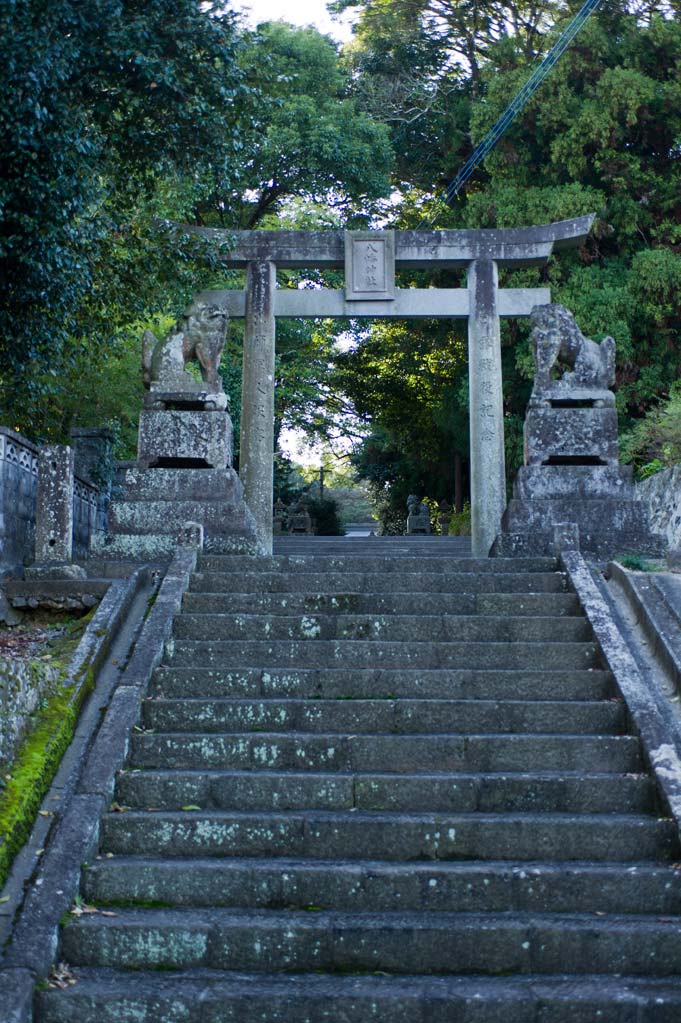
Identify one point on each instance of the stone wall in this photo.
(18, 489)
(24, 683)
(662, 494)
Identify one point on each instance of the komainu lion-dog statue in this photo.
(566, 360)
(198, 337)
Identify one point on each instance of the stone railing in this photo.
(18, 490)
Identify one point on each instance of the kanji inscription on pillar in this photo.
(369, 265)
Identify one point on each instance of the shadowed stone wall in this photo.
(18, 493)
(662, 494)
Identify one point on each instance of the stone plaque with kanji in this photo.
(369, 265)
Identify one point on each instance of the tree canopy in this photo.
(122, 119)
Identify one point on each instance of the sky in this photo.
(305, 12)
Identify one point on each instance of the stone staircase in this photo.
(392, 785)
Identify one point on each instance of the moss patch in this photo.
(34, 768)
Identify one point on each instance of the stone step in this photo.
(550, 791)
(398, 716)
(352, 580)
(395, 546)
(488, 944)
(104, 996)
(385, 683)
(377, 603)
(355, 653)
(294, 564)
(380, 752)
(398, 836)
(372, 886)
(419, 628)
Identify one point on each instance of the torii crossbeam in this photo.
(369, 259)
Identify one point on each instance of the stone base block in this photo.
(229, 517)
(607, 527)
(148, 518)
(553, 482)
(221, 486)
(54, 570)
(199, 398)
(586, 434)
(162, 546)
(592, 515)
(183, 439)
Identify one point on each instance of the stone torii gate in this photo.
(369, 259)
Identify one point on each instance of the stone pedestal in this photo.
(182, 485)
(600, 500)
(184, 439)
(572, 476)
(579, 434)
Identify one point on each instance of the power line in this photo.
(514, 108)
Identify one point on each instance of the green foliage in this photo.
(635, 563)
(309, 137)
(325, 516)
(99, 101)
(460, 522)
(655, 441)
(601, 134)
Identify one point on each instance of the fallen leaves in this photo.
(61, 977)
(83, 909)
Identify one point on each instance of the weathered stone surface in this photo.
(257, 399)
(559, 346)
(9, 615)
(557, 482)
(55, 594)
(571, 472)
(183, 476)
(199, 336)
(54, 513)
(158, 502)
(191, 438)
(390, 830)
(369, 265)
(571, 434)
(661, 493)
(24, 682)
(525, 246)
(185, 486)
(488, 473)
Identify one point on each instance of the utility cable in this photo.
(516, 105)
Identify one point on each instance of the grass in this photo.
(30, 775)
(34, 768)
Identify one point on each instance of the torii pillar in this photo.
(486, 407)
(369, 259)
